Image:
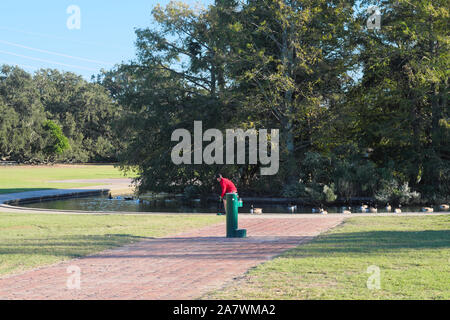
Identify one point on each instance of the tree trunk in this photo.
(287, 58)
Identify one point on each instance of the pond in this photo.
(177, 205)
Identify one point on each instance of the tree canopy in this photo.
(59, 109)
(357, 108)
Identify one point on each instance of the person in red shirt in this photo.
(227, 187)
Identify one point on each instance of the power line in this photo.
(48, 61)
(54, 53)
(43, 35)
(17, 64)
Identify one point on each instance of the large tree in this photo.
(178, 77)
(84, 110)
(402, 100)
(356, 107)
(21, 118)
(291, 60)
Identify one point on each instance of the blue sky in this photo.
(34, 34)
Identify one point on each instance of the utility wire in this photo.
(43, 35)
(47, 61)
(2, 62)
(54, 53)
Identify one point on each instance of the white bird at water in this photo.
(347, 211)
(363, 208)
(319, 210)
(257, 210)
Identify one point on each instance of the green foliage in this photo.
(393, 192)
(329, 193)
(160, 94)
(191, 192)
(293, 190)
(291, 66)
(85, 112)
(402, 96)
(56, 142)
(355, 177)
(21, 118)
(312, 193)
(42, 114)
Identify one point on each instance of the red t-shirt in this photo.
(227, 186)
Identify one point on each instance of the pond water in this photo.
(103, 203)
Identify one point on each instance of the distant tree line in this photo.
(52, 116)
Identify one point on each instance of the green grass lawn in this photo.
(412, 254)
(30, 178)
(28, 241)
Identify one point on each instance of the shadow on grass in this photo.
(68, 246)
(373, 242)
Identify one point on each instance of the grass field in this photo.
(30, 178)
(412, 254)
(28, 241)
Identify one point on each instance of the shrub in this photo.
(191, 191)
(329, 194)
(313, 193)
(293, 190)
(391, 191)
(56, 141)
(355, 177)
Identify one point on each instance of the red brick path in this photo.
(181, 267)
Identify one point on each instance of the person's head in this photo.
(218, 177)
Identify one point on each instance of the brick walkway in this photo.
(185, 266)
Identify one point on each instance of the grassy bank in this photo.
(28, 241)
(30, 178)
(412, 254)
